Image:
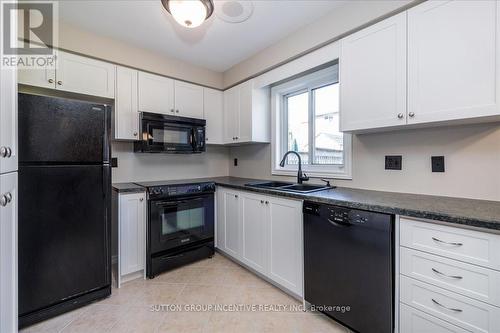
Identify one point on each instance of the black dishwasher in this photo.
(349, 266)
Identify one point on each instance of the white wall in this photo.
(84, 42)
(341, 20)
(134, 167)
(472, 160)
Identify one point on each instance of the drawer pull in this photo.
(447, 308)
(448, 276)
(447, 243)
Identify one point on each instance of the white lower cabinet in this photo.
(449, 279)
(8, 252)
(131, 235)
(415, 321)
(253, 227)
(264, 233)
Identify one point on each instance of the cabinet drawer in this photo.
(415, 321)
(477, 282)
(475, 247)
(459, 310)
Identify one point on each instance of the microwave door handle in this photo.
(193, 138)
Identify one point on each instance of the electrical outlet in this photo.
(437, 163)
(235, 162)
(394, 162)
(114, 162)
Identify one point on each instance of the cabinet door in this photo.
(8, 120)
(231, 114)
(125, 112)
(40, 77)
(8, 252)
(253, 224)
(285, 244)
(213, 106)
(373, 76)
(231, 224)
(188, 100)
(453, 60)
(244, 121)
(156, 94)
(84, 75)
(132, 227)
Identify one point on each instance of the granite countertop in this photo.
(470, 212)
(127, 187)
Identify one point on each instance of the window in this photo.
(306, 120)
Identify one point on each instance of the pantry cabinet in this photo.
(131, 235)
(126, 116)
(188, 100)
(264, 233)
(156, 94)
(8, 120)
(453, 60)
(76, 74)
(8, 252)
(247, 114)
(213, 107)
(373, 76)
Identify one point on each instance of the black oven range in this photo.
(180, 224)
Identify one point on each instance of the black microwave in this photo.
(170, 134)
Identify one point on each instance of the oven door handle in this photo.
(177, 202)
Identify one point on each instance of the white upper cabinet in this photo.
(373, 76)
(156, 94)
(85, 75)
(41, 77)
(453, 60)
(75, 74)
(231, 114)
(213, 106)
(188, 100)
(246, 114)
(126, 116)
(8, 120)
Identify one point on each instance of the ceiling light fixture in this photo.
(189, 13)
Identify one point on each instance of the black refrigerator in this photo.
(64, 205)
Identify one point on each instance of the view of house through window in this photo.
(313, 126)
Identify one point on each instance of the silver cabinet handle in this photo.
(172, 110)
(447, 243)
(141, 199)
(9, 152)
(3, 201)
(446, 275)
(51, 80)
(411, 114)
(3, 151)
(262, 201)
(176, 111)
(9, 197)
(135, 133)
(267, 202)
(400, 115)
(59, 83)
(447, 308)
(236, 196)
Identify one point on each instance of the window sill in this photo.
(313, 174)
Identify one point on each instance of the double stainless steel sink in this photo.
(289, 187)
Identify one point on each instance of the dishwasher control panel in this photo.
(340, 215)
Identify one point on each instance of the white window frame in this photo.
(278, 109)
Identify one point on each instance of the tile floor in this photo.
(211, 281)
